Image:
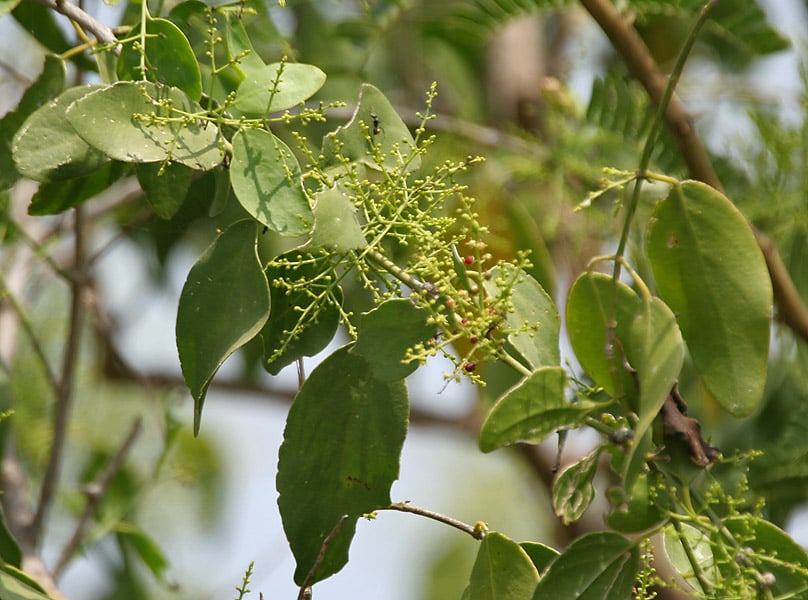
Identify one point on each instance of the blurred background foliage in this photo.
(530, 85)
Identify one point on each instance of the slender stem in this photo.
(64, 396)
(691, 557)
(515, 364)
(475, 531)
(95, 492)
(305, 589)
(400, 274)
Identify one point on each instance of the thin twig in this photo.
(638, 58)
(476, 532)
(65, 393)
(78, 16)
(95, 492)
(305, 589)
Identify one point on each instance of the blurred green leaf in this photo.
(292, 83)
(169, 58)
(165, 186)
(336, 226)
(531, 305)
(16, 585)
(47, 148)
(387, 332)
(595, 566)
(340, 455)
(502, 571)
(6, 6)
(709, 269)
(145, 547)
(573, 489)
(223, 305)
(10, 552)
(54, 197)
(107, 120)
(265, 177)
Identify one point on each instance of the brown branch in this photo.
(475, 531)
(628, 43)
(84, 20)
(95, 492)
(64, 397)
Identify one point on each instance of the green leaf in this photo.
(6, 6)
(54, 197)
(353, 140)
(699, 545)
(292, 83)
(239, 47)
(573, 490)
(533, 409)
(266, 180)
(387, 332)
(591, 303)
(47, 148)
(17, 586)
(340, 456)
(502, 571)
(169, 58)
(47, 86)
(223, 305)
(633, 509)
(711, 272)
(106, 120)
(531, 306)
(595, 566)
(286, 338)
(165, 186)
(10, 552)
(146, 548)
(540, 555)
(772, 551)
(335, 223)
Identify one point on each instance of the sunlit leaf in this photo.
(595, 566)
(118, 121)
(277, 87)
(336, 226)
(709, 269)
(239, 47)
(340, 455)
(540, 554)
(699, 548)
(266, 179)
(502, 571)
(223, 305)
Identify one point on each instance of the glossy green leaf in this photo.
(169, 59)
(387, 131)
(532, 410)
(532, 306)
(286, 337)
(107, 120)
(711, 272)
(165, 186)
(540, 555)
(223, 305)
(340, 456)
(292, 83)
(48, 85)
(16, 585)
(770, 550)
(595, 566)
(54, 197)
(387, 332)
(502, 571)
(573, 489)
(591, 305)
(336, 226)
(239, 47)
(699, 547)
(266, 180)
(47, 148)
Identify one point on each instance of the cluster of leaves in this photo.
(189, 97)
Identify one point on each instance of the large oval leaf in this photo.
(277, 87)
(124, 122)
(340, 456)
(169, 59)
(532, 306)
(336, 226)
(502, 571)
(266, 179)
(223, 305)
(47, 148)
(533, 409)
(711, 272)
(595, 566)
